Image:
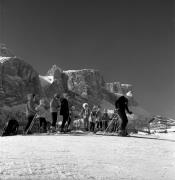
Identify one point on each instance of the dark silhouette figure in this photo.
(64, 111)
(105, 119)
(11, 128)
(122, 105)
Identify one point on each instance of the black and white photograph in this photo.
(87, 89)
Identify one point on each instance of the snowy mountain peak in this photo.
(79, 70)
(5, 52)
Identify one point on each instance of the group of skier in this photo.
(93, 120)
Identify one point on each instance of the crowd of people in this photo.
(92, 119)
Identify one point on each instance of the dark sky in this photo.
(130, 41)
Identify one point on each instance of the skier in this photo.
(121, 105)
(64, 111)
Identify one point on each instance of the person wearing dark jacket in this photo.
(105, 119)
(98, 120)
(64, 111)
(121, 105)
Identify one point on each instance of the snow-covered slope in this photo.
(46, 80)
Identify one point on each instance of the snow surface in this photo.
(87, 157)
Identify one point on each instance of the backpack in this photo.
(11, 128)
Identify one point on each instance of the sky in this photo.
(129, 41)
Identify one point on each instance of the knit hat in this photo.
(84, 105)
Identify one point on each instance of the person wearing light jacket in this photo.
(41, 114)
(85, 113)
(54, 108)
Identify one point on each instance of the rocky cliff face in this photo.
(17, 79)
(87, 83)
(117, 87)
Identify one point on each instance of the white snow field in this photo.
(87, 157)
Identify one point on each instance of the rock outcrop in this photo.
(17, 79)
(117, 87)
(87, 83)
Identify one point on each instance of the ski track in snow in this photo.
(87, 157)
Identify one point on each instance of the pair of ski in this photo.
(31, 125)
